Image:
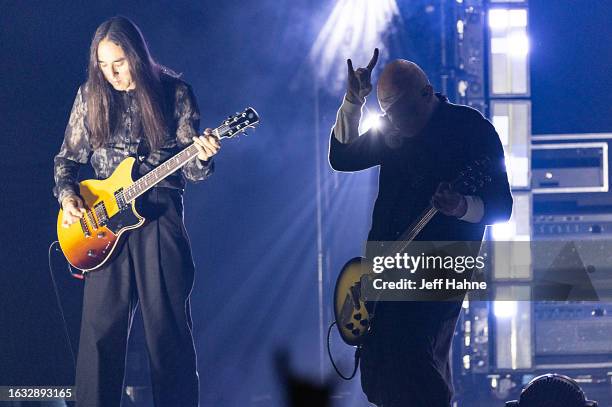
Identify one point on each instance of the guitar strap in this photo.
(142, 152)
(143, 149)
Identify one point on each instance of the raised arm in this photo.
(348, 151)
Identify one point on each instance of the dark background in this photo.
(571, 58)
(253, 225)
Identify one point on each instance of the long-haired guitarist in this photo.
(423, 143)
(131, 105)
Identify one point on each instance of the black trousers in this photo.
(154, 268)
(405, 360)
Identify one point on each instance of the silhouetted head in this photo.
(405, 94)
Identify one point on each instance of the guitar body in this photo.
(90, 243)
(352, 315)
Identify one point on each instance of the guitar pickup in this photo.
(101, 214)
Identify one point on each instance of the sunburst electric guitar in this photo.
(110, 204)
(353, 314)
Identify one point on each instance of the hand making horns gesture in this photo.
(359, 81)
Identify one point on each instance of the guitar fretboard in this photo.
(171, 165)
(468, 181)
(413, 231)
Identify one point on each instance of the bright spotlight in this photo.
(353, 30)
(502, 19)
(498, 18)
(502, 125)
(509, 48)
(504, 231)
(518, 44)
(518, 170)
(371, 121)
(518, 18)
(504, 309)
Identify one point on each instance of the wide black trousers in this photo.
(153, 268)
(405, 360)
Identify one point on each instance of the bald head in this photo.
(399, 78)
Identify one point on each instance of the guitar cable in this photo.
(59, 303)
(331, 359)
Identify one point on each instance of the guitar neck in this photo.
(170, 166)
(413, 231)
(471, 179)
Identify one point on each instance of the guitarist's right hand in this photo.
(73, 210)
(359, 81)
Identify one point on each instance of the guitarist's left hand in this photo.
(449, 202)
(207, 145)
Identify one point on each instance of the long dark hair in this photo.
(146, 74)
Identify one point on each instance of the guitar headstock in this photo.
(237, 124)
(473, 177)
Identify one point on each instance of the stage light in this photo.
(502, 19)
(502, 126)
(504, 309)
(518, 44)
(504, 231)
(518, 171)
(460, 28)
(518, 18)
(466, 362)
(371, 121)
(509, 243)
(498, 18)
(499, 45)
(512, 121)
(353, 29)
(509, 50)
(512, 327)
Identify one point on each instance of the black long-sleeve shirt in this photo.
(126, 134)
(455, 136)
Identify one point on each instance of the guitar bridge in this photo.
(84, 227)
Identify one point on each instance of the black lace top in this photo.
(125, 139)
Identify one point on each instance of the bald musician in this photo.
(422, 145)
